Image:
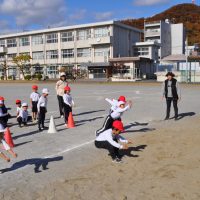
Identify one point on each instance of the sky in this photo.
(19, 15)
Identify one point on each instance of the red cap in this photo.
(2, 98)
(34, 87)
(18, 101)
(122, 98)
(67, 88)
(118, 125)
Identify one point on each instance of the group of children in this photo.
(106, 137)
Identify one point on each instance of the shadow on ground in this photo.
(36, 162)
(128, 152)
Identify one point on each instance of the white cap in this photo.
(24, 105)
(1, 102)
(62, 74)
(45, 91)
(120, 103)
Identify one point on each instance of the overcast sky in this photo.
(17, 15)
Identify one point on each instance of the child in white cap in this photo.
(22, 117)
(42, 109)
(5, 146)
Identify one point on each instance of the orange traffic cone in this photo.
(8, 138)
(71, 123)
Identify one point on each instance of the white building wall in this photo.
(178, 39)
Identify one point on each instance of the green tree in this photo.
(5, 69)
(21, 61)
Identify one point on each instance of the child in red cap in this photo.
(34, 97)
(109, 140)
(68, 103)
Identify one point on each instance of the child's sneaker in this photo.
(117, 160)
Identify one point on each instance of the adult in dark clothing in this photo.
(172, 92)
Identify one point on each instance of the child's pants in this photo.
(22, 120)
(67, 110)
(41, 116)
(107, 125)
(114, 152)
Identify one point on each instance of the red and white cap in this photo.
(2, 98)
(67, 88)
(118, 125)
(18, 101)
(34, 87)
(122, 98)
(45, 91)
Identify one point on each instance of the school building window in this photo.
(52, 38)
(101, 32)
(25, 53)
(67, 53)
(38, 55)
(11, 56)
(11, 42)
(37, 39)
(83, 34)
(85, 52)
(67, 36)
(24, 41)
(102, 51)
(53, 54)
(2, 43)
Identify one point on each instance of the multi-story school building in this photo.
(86, 46)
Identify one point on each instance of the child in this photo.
(19, 106)
(34, 101)
(6, 146)
(115, 115)
(3, 114)
(114, 102)
(109, 140)
(42, 109)
(23, 115)
(68, 103)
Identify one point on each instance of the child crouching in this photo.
(23, 117)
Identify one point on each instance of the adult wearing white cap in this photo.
(60, 85)
(42, 109)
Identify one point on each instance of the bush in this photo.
(27, 77)
(9, 77)
(39, 76)
(2, 77)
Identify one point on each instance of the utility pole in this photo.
(187, 77)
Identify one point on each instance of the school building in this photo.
(87, 48)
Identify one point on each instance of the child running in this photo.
(5, 146)
(68, 103)
(42, 109)
(34, 97)
(109, 140)
(115, 115)
(114, 102)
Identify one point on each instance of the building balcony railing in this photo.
(152, 33)
(3, 50)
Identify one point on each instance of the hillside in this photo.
(189, 14)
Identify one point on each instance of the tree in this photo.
(21, 62)
(5, 68)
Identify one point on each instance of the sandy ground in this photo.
(163, 162)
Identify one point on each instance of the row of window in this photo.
(53, 37)
(66, 53)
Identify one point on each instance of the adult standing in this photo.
(172, 92)
(60, 85)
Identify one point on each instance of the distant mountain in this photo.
(188, 14)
